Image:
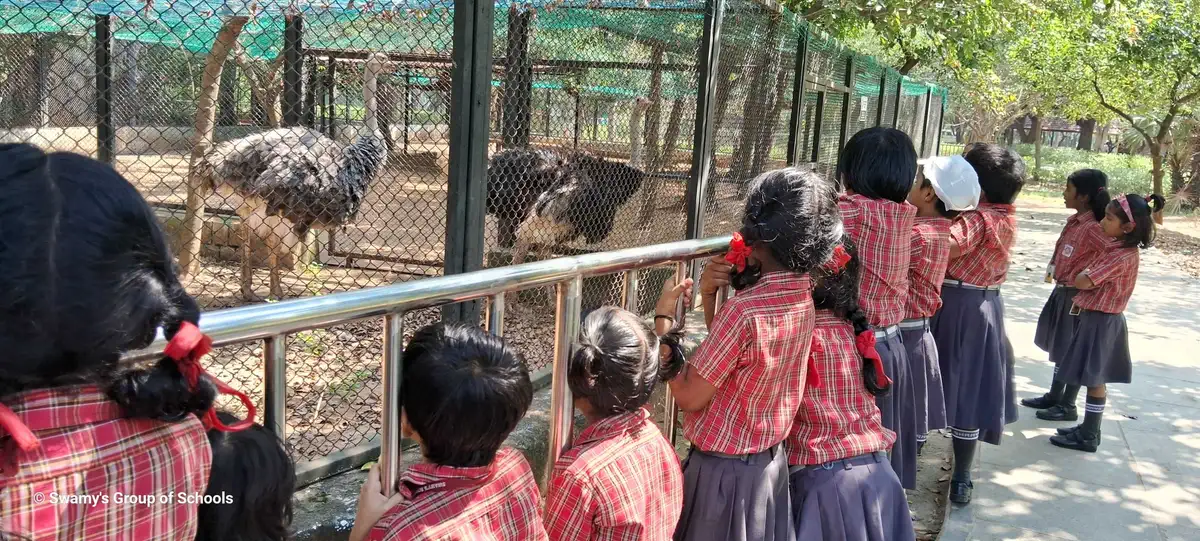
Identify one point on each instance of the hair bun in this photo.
(17, 159)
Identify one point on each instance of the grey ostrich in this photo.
(288, 181)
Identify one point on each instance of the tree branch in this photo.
(1104, 103)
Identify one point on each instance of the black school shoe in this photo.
(1072, 430)
(960, 491)
(1079, 440)
(1039, 403)
(1058, 412)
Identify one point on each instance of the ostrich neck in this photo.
(369, 102)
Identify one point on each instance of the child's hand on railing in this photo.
(669, 298)
(715, 277)
(372, 504)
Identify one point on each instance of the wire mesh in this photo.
(592, 122)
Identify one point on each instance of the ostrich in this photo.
(288, 181)
(552, 197)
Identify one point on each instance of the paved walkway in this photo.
(1144, 483)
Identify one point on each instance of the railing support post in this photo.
(275, 384)
(566, 329)
(631, 291)
(389, 448)
(495, 321)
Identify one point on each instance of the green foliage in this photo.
(1126, 173)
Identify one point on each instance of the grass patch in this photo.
(1126, 174)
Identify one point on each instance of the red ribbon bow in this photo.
(865, 343)
(813, 379)
(839, 260)
(738, 252)
(186, 349)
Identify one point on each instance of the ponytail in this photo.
(1141, 212)
(1093, 184)
(162, 392)
(675, 360)
(837, 290)
(870, 375)
(617, 363)
(1156, 202)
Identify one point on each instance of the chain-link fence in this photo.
(302, 148)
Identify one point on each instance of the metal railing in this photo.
(271, 323)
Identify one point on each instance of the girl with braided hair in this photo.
(86, 275)
(741, 388)
(842, 483)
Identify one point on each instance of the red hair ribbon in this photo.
(186, 348)
(738, 252)
(839, 260)
(813, 379)
(865, 343)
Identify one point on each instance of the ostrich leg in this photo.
(247, 264)
(274, 244)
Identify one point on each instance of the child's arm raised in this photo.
(372, 505)
(716, 276)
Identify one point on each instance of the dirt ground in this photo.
(1179, 238)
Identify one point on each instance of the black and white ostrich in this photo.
(549, 197)
(288, 181)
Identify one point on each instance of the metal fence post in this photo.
(796, 120)
(899, 95)
(517, 103)
(882, 95)
(562, 407)
(818, 118)
(293, 45)
(941, 124)
(631, 291)
(106, 137)
(470, 96)
(389, 450)
(496, 314)
(925, 123)
(330, 97)
(702, 144)
(275, 384)
(844, 130)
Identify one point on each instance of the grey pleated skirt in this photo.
(899, 408)
(1098, 353)
(1056, 324)
(733, 499)
(859, 499)
(927, 377)
(976, 360)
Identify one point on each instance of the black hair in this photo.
(463, 392)
(85, 274)
(616, 364)
(1092, 183)
(939, 205)
(1001, 172)
(838, 291)
(879, 163)
(795, 214)
(1143, 209)
(250, 487)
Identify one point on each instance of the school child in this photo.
(945, 186)
(876, 170)
(741, 388)
(620, 479)
(842, 484)
(463, 391)
(1081, 241)
(85, 275)
(973, 349)
(1098, 353)
(250, 487)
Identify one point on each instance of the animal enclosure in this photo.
(610, 124)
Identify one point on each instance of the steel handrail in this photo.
(272, 322)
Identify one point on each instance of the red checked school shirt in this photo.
(837, 419)
(985, 236)
(98, 476)
(880, 230)
(444, 503)
(755, 355)
(930, 255)
(1114, 274)
(1082, 239)
(619, 481)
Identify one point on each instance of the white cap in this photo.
(954, 181)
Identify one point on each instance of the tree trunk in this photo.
(1156, 171)
(1037, 148)
(654, 113)
(1031, 136)
(206, 111)
(660, 161)
(1087, 130)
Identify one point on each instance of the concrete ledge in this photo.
(324, 511)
